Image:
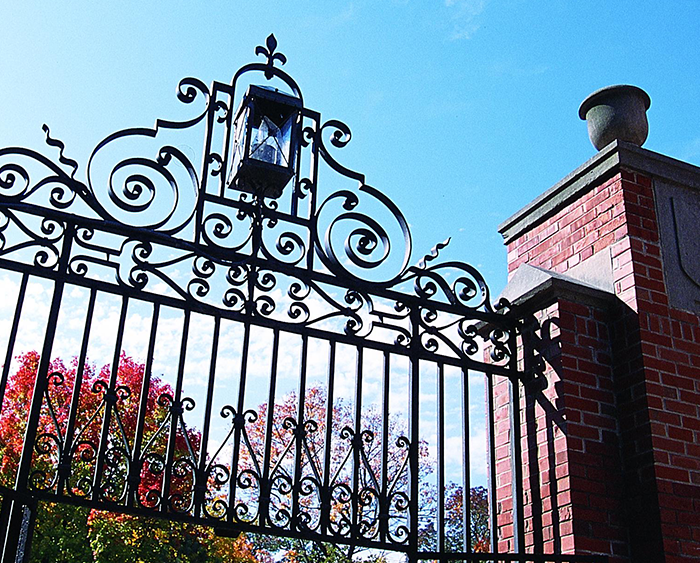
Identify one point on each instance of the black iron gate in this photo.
(300, 377)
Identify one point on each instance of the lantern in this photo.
(265, 142)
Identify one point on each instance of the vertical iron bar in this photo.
(26, 532)
(64, 466)
(24, 467)
(441, 456)
(265, 485)
(466, 467)
(301, 431)
(5, 511)
(492, 482)
(238, 426)
(326, 498)
(13, 336)
(136, 464)
(516, 467)
(201, 477)
(110, 402)
(357, 444)
(313, 164)
(414, 432)
(384, 483)
(176, 414)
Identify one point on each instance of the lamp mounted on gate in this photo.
(265, 142)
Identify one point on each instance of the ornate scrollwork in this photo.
(157, 226)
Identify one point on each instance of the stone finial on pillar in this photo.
(616, 113)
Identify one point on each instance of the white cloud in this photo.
(464, 16)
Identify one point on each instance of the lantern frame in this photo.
(254, 175)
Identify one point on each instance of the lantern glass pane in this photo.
(271, 143)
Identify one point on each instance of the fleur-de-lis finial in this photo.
(269, 52)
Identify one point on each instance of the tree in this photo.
(66, 533)
(478, 518)
(285, 422)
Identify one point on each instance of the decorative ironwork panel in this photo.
(287, 340)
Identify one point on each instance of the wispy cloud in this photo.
(464, 16)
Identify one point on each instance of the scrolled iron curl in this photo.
(399, 503)
(265, 305)
(308, 135)
(83, 488)
(86, 450)
(304, 187)
(265, 281)
(306, 522)
(499, 345)
(463, 290)
(180, 503)
(114, 486)
(47, 256)
(309, 427)
(219, 474)
(123, 392)
(78, 266)
(237, 275)
(309, 485)
(280, 519)
(290, 244)
(138, 193)
(184, 467)
(165, 400)
(247, 479)
(217, 228)
(368, 505)
(216, 508)
(367, 246)
(203, 267)
(100, 386)
(198, 288)
(281, 484)
(221, 110)
(189, 88)
(299, 312)
(217, 162)
(49, 444)
(40, 480)
(140, 254)
(84, 234)
(8, 177)
(242, 513)
(61, 196)
(429, 342)
(468, 333)
(234, 299)
(151, 499)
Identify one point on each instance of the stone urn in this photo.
(616, 113)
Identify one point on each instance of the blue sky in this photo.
(462, 111)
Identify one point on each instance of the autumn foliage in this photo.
(67, 533)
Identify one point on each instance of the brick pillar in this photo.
(605, 263)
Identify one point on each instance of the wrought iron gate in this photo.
(301, 377)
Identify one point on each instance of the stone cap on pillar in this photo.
(616, 156)
(532, 288)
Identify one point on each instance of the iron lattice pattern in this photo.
(314, 338)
